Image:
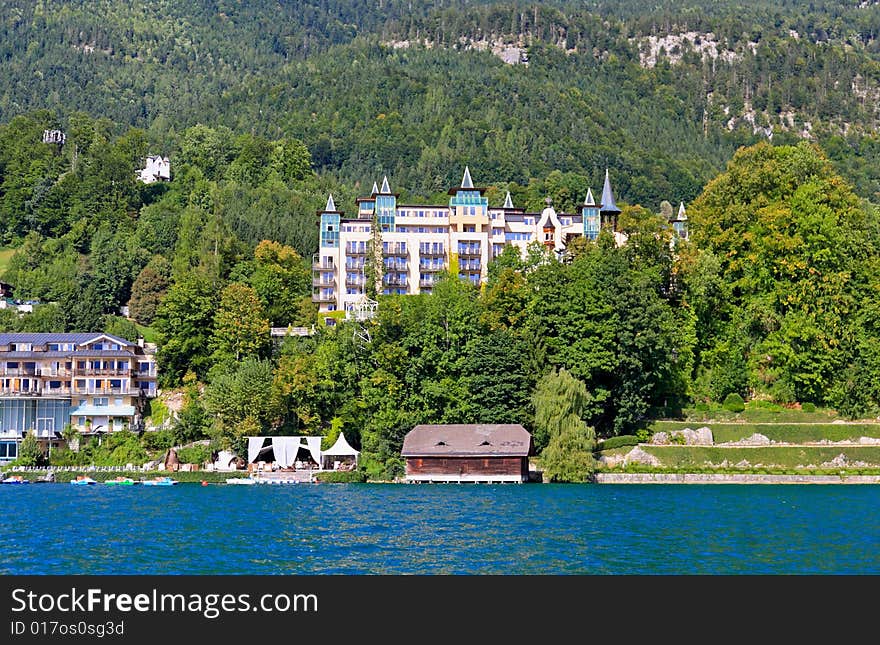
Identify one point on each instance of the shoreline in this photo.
(731, 478)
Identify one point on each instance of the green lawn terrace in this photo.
(763, 438)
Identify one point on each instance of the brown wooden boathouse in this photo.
(468, 453)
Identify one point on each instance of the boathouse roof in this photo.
(468, 440)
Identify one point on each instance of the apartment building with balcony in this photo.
(96, 382)
(418, 242)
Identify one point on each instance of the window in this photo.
(101, 401)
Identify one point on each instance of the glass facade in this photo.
(386, 211)
(330, 230)
(46, 416)
(591, 222)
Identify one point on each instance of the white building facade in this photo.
(421, 241)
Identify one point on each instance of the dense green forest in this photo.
(332, 74)
(762, 117)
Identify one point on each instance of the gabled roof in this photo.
(681, 213)
(375, 189)
(77, 338)
(548, 215)
(608, 205)
(386, 189)
(468, 440)
(508, 202)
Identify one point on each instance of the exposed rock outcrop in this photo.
(699, 437)
(639, 456)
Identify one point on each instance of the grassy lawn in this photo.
(778, 456)
(148, 333)
(759, 412)
(5, 255)
(783, 432)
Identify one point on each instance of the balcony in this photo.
(355, 266)
(48, 372)
(322, 265)
(469, 251)
(16, 392)
(56, 391)
(394, 250)
(356, 249)
(395, 282)
(429, 251)
(358, 281)
(432, 268)
(324, 282)
(103, 371)
(19, 371)
(100, 390)
(396, 266)
(426, 284)
(323, 297)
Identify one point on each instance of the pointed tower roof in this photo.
(386, 190)
(466, 184)
(329, 208)
(681, 213)
(589, 201)
(466, 180)
(375, 189)
(508, 202)
(608, 204)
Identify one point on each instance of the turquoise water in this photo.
(440, 529)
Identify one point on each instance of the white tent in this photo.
(284, 449)
(340, 452)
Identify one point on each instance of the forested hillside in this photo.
(412, 90)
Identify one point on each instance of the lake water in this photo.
(440, 529)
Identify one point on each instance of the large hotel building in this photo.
(94, 382)
(419, 242)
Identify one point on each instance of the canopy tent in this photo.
(340, 452)
(284, 449)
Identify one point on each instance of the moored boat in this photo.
(15, 479)
(83, 480)
(241, 481)
(120, 481)
(159, 481)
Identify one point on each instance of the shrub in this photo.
(808, 407)
(733, 402)
(619, 442)
(29, 452)
(702, 407)
(342, 477)
(197, 454)
(157, 440)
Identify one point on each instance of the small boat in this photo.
(83, 480)
(121, 481)
(159, 481)
(15, 479)
(241, 481)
